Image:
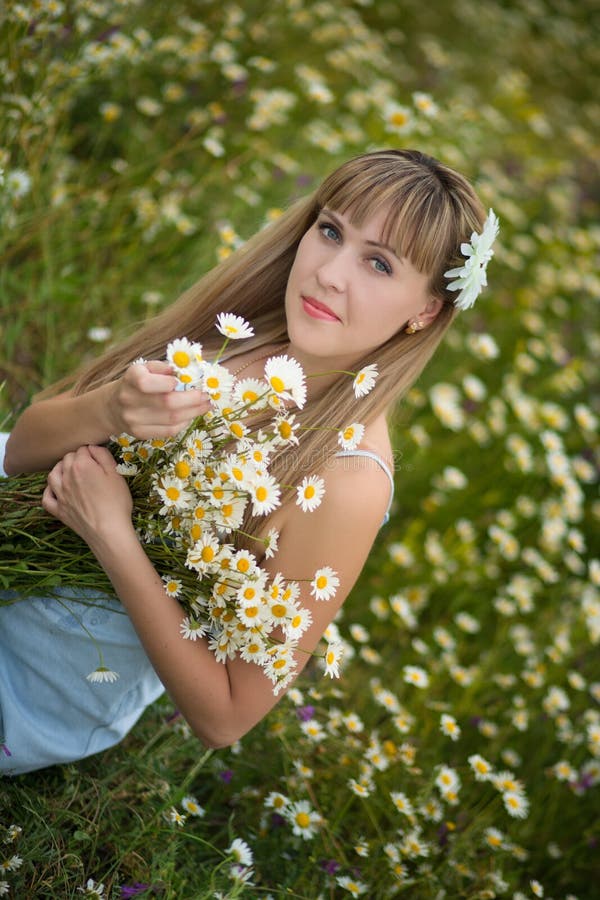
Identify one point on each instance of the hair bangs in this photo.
(416, 224)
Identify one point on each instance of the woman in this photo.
(356, 274)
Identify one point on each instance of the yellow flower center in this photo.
(181, 359)
(249, 396)
(279, 664)
(185, 378)
(296, 621)
(330, 657)
(285, 429)
(173, 493)
(278, 610)
(207, 554)
(227, 509)
(348, 434)
(321, 582)
(237, 430)
(261, 493)
(243, 565)
(277, 384)
(309, 492)
(212, 382)
(302, 819)
(182, 469)
(196, 532)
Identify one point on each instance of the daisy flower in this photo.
(481, 767)
(202, 557)
(280, 663)
(324, 584)
(241, 852)
(285, 377)
(425, 104)
(359, 788)
(185, 358)
(364, 380)
(271, 543)
(309, 493)
(297, 623)
(173, 493)
(234, 327)
(218, 380)
(449, 727)
(397, 118)
(351, 436)
(333, 657)
(172, 586)
(304, 820)
(494, 838)
(91, 889)
(265, 494)
(352, 885)
(102, 675)
(175, 817)
(516, 804)
(415, 675)
(447, 779)
(250, 392)
(285, 429)
(192, 629)
(276, 801)
(192, 807)
(402, 803)
(12, 864)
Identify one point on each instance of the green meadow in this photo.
(458, 756)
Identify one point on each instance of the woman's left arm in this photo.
(221, 702)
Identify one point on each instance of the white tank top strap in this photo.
(382, 463)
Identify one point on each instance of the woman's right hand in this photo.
(143, 402)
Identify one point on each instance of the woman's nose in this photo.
(333, 272)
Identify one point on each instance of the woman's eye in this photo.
(329, 231)
(381, 265)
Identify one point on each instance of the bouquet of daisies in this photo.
(191, 494)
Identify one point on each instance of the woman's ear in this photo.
(429, 312)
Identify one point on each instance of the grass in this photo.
(491, 588)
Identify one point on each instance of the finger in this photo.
(148, 381)
(159, 367)
(49, 501)
(55, 476)
(103, 457)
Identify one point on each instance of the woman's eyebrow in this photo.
(340, 224)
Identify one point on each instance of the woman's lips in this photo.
(318, 310)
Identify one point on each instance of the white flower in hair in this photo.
(471, 278)
(234, 327)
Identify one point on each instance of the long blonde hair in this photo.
(432, 210)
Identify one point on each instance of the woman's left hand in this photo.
(86, 492)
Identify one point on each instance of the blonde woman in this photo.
(357, 274)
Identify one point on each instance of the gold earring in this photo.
(413, 326)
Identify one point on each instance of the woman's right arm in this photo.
(142, 402)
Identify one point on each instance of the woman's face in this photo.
(348, 292)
